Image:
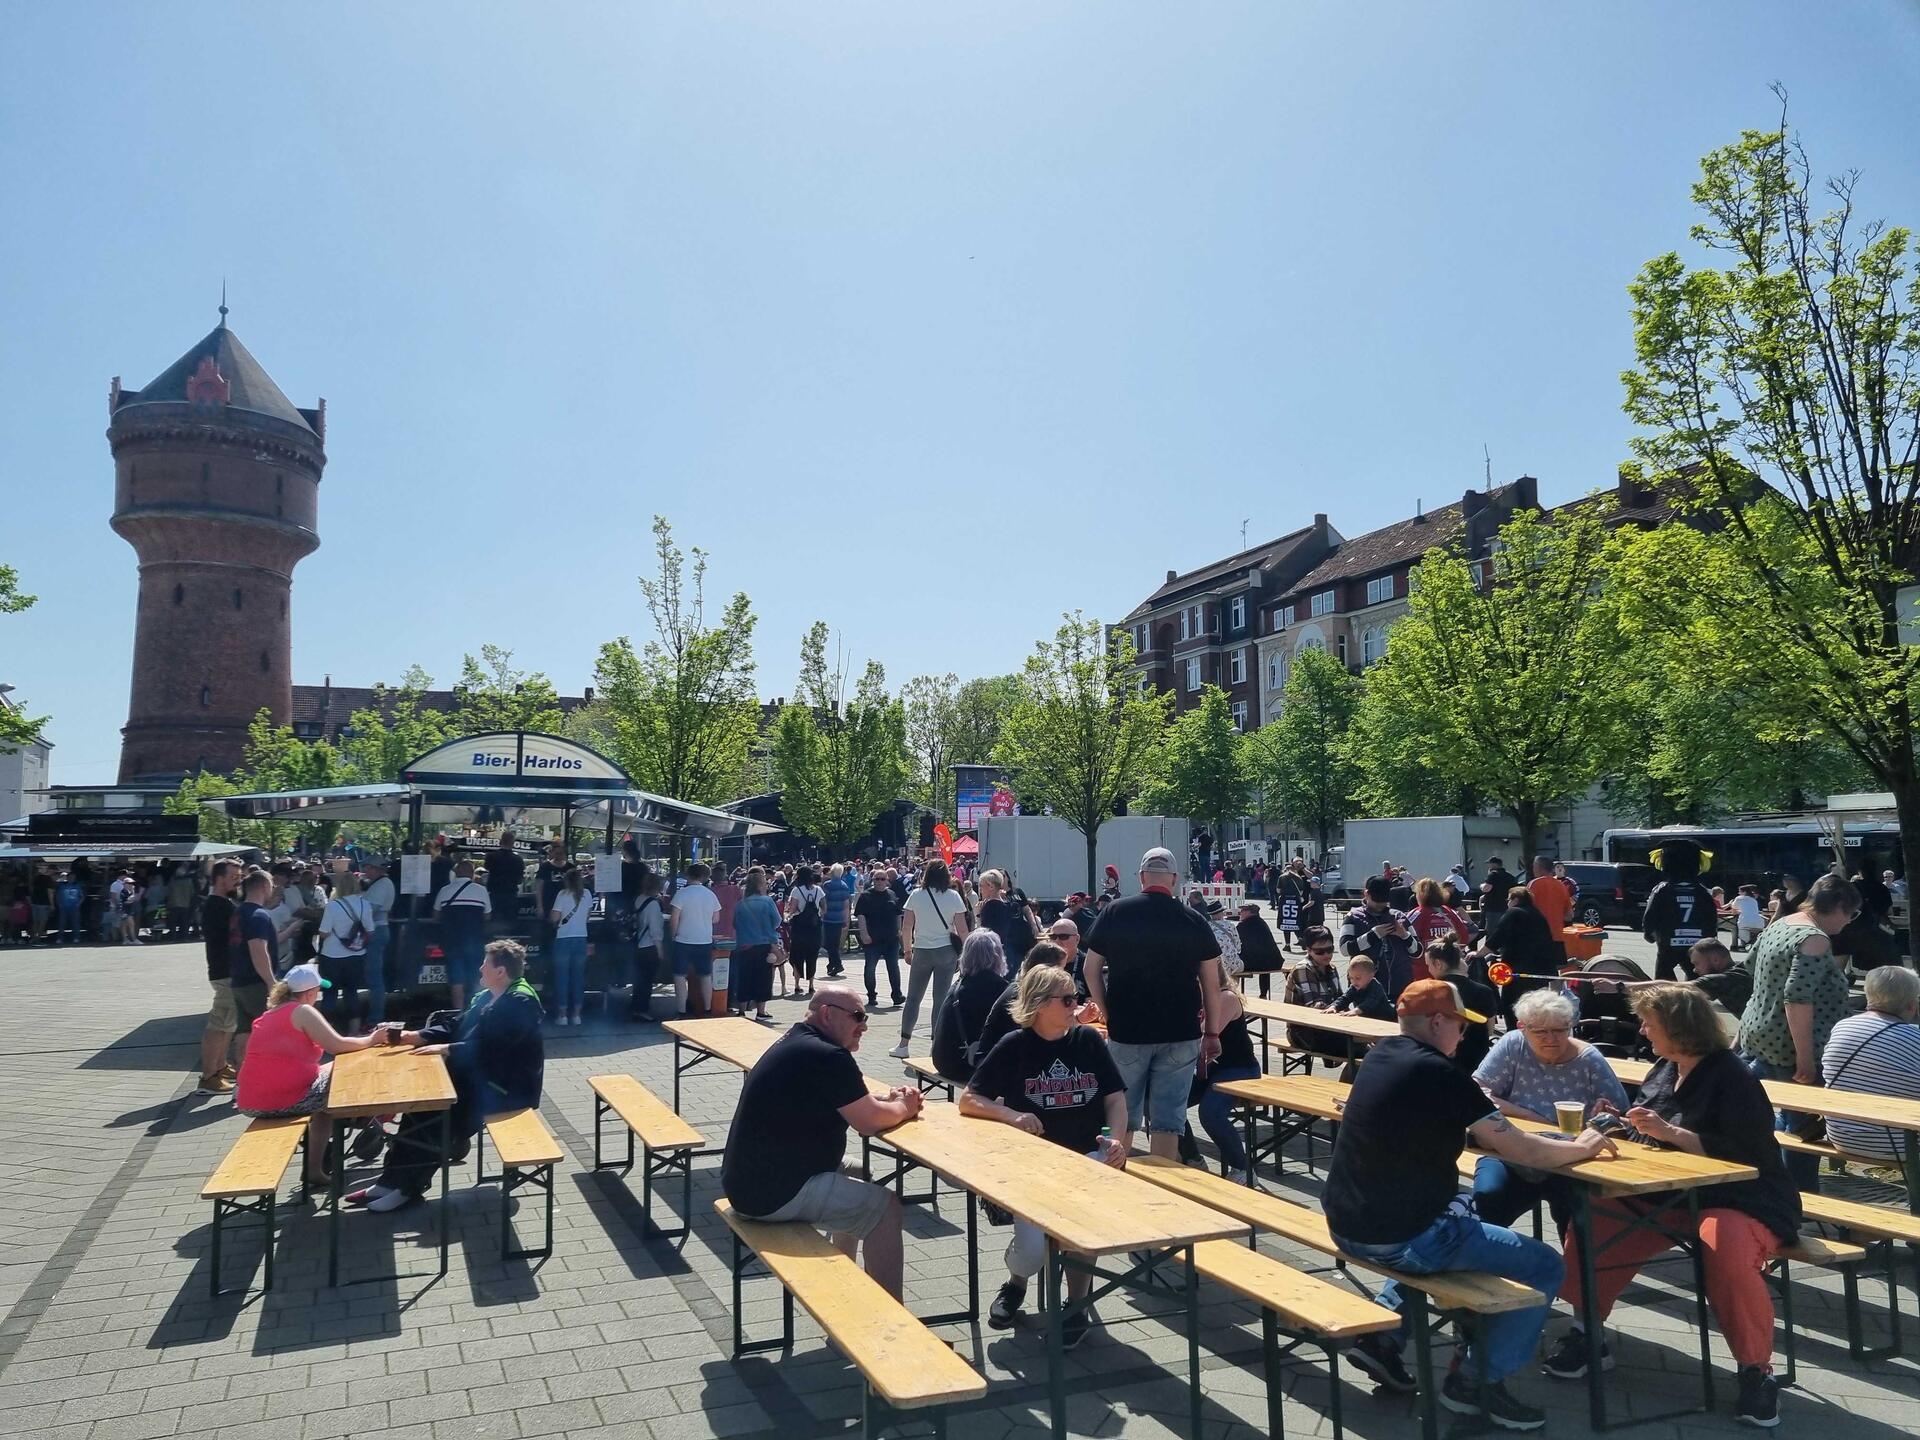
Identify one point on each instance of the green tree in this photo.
(931, 707)
(382, 739)
(492, 695)
(1080, 738)
(1298, 760)
(840, 761)
(214, 824)
(680, 715)
(1795, 369)
(1202, 773)
(980, 710)
(1515, 686)
(16, 729)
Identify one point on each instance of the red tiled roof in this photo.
(1263, 556)
(331, 706)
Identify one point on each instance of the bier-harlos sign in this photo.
(522, 759)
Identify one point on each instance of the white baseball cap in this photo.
(306, 977)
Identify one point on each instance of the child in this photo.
(1748, 922)
(1364, 991)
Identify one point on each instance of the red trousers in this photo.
(1737, 1249)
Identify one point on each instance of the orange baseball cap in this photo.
(1436, 997)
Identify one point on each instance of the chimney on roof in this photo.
(1526, 493)
(1419, 512)
(586, 695)
(1172, 575)
(326, 694)
(1472, 503)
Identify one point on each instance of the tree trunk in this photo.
(1092, 834)
(1527, 816)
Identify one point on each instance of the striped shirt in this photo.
(1879, 1055)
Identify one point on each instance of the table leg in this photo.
(1590, 1307)
(1193, 1341)
(1910, 1162)
(337, 1166)
(446, 1164)
(1056, 1345)
(676, 1074)
(1698, 1252)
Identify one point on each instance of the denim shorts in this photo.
(694, 960)
(1158, 1078)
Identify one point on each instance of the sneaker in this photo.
(1568, 1359)
(1381, 1363)
(215, 1085)
(1759, 1402)
(1005, 1311)
(227, 1072)
(1074, 1329)
(899, 1052)
(1499, 1406)
(1460, 1394)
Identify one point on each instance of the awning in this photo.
(128, 850)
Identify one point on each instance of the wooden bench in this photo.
(666, 1142)
(1452, 1292)
(928, 1077)
(247, 1182)
(1879, 1230)
(904, 1365)
(528, 1153)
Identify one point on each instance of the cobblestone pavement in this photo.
(107, 1332)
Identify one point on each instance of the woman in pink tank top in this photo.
(283, 1072)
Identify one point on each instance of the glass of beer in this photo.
(1571, 1115)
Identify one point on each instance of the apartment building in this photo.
(1201, 628)
(1345, 605)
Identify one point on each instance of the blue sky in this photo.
(928, 321)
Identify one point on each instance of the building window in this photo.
(206, 696)
(1283, 617)
(1373, 644)
(179, 594)
(266, 665)
(239, 599)
(1323, 603)
(1193, 673)
(1479, 569)
(1239, 615)
(1314, 642)
(1240, 715)
(1277, 671)
(1186, 625)
(1237, 666)
(1341, 641)
(1379, 588)
(1140, 639)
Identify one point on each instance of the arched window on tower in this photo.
(206, 696)
(239, 597)
(265, 664)
(179, 594)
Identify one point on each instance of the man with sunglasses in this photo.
(789, 1136)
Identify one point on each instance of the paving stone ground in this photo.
(107, 1332)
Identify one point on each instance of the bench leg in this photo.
(480, 1176)
(213, 1275)
(652, 1165)
(741, 1346)
(540, 1177)
(1786, 1312)
(274, 1195)
(1423, 1364)
(1193, 1342)
(1856, 1330)
(1270, 1357)
(1333, 1390)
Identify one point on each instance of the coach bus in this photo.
(1761, 854)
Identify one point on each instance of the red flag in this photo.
(944, 837)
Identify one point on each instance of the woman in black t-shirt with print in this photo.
(1053, 1078)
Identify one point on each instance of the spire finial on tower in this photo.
(223, 302)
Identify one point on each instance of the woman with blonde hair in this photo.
(1052, 1078)
(282, 1072)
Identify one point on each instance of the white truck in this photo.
(1428, 845)
(1047, 857)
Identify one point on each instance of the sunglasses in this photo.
(1321, 950)
(859, 1016)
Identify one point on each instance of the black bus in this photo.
(1760, 855)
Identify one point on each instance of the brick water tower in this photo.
(216, 487)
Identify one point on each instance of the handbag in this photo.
(952, 939)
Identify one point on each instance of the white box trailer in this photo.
(1047, 857)
(1428, 845)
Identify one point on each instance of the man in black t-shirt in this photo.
(876, 916)
(1493, 891)
(216, 924)
(253, 940)
(1152, 966)
(789, 1136)
(1054, 1078)
(1393, 1197)
(505, 871)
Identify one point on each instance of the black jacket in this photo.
(1257, 949)
(496, 1055)
(1521, 938)
(964, 1018)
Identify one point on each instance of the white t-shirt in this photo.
(1747, 909)
(337, 922)
(932, 913)
(379, 898)
(693, 911)
(470, 891)
(573, 913)
(648, 920)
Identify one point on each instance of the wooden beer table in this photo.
(1359, 1031)
(1638, 1171)
(386, 1080)
(730, 1040)
(1086, 1209)
(1888, 1111)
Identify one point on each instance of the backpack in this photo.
(356, 938)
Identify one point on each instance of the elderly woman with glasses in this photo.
(959, 1032)
(1053, 1078)
(1530, 1070)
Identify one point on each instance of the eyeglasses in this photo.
(1321, 950)
(1063, 934)
(859, 1017)
(1557, 1032)
(1066, 995)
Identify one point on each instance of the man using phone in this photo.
(1376, 930)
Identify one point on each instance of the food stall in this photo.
(515, 781)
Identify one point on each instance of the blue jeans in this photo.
(1216, 1114)
(69, 929)
(376, 975)
(569, 974)
(1805, 1169)
(1459, 1240)
(1502, 1193)
(1158, 1079)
